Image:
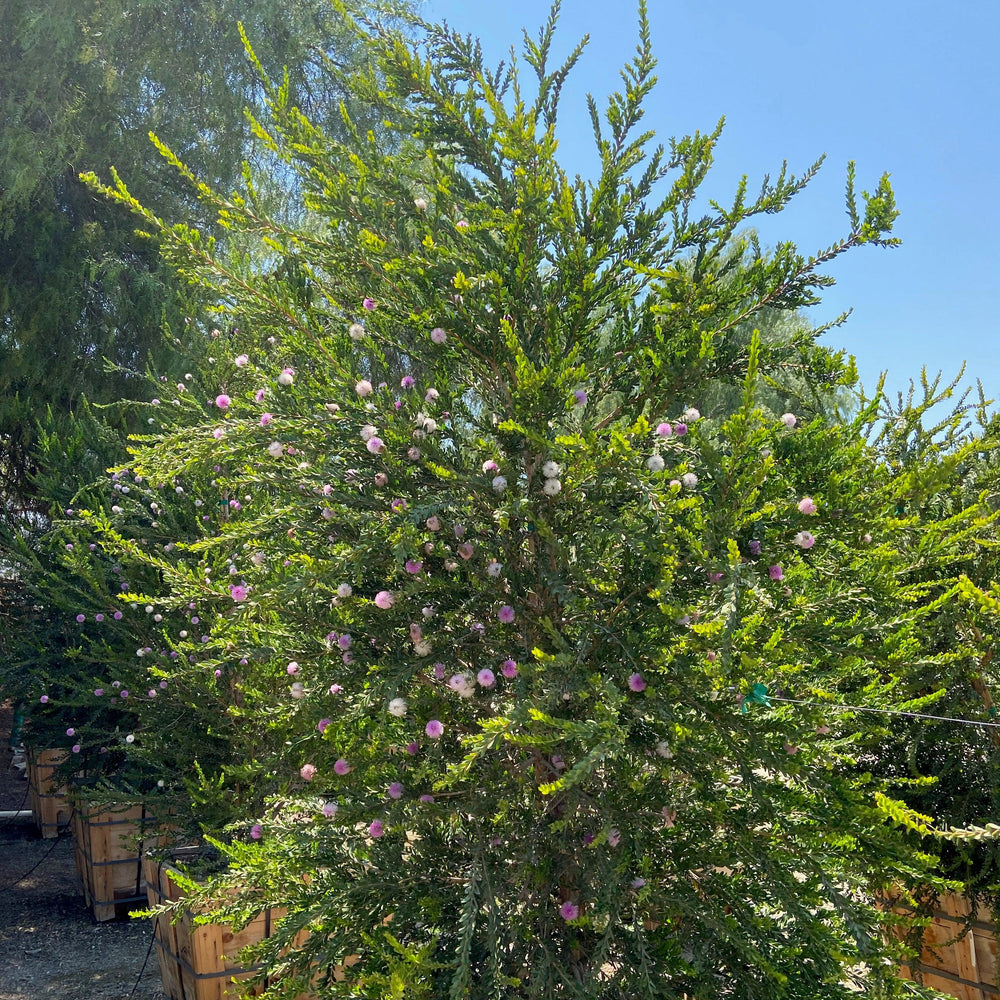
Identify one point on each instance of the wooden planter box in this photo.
(109, 856)
(966, 968)
(199, 961)
(49, 802)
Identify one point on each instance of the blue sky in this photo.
(911, 88)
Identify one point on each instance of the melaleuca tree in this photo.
(91, 662)
(501, 588)
(70, 640)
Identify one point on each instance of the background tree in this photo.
(81, 85)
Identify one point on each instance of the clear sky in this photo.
(905, 86)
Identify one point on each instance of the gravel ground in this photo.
(50, 946)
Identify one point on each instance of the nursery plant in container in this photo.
(541, 657)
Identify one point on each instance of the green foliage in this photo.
(469, 687)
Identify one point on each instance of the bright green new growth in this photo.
(605, 822)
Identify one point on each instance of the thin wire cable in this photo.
(55, 843)
(145, 962)
(10, 821)
(883, 711)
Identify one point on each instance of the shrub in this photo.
(481, 630)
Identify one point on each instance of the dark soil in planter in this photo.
(50, 946)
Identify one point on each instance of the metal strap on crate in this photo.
(139, 894)
(204, 975)
(184, 964)
(984, 988)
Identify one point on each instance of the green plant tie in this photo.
(758, 694)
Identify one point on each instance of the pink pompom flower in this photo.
(804, 540)
(341, 767)
(308, 772)
(434, 729)
(807, 505)
(222, 401)
(384, 600)
(636, 682)
(506, 614)
(776, 572)
(569, 911)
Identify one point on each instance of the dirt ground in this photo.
(50, 946)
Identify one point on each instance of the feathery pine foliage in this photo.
(497, 591)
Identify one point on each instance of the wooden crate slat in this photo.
(952, 985)
(200, 961)
(987, 958)
(49, 803)
(964, 967)
(158, 891)
(108, 858)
